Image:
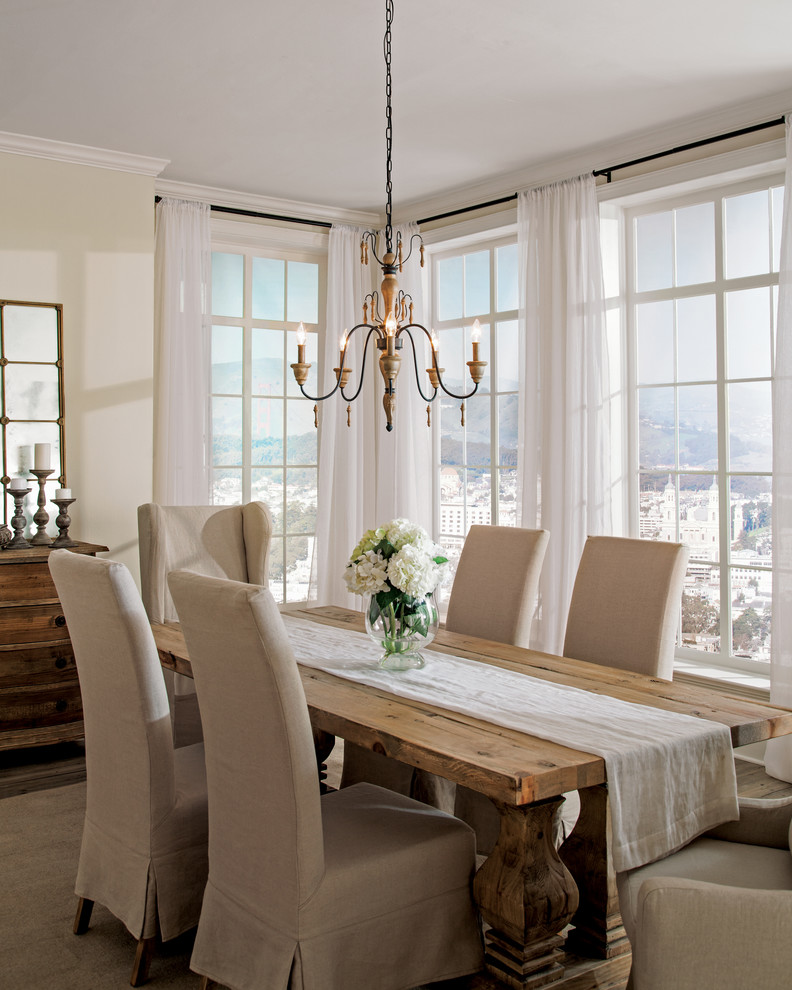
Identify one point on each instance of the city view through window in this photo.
(702, 292)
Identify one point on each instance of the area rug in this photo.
(40, 837)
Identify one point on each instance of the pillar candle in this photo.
(17, 484)
(41, 456)
(63, 493)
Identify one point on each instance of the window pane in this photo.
(657, 507)
(507, 497)
(695, 244)
(752, 592)
(477, 426)
(508, 415)
(449, 288)
(227, 486)
(701, 608)
(654, 251)
(752, 517)
(698, 427)
(227, 360)
(696, 344)
(506, 260)
(299, 550)
(451, 356)
(269, 288)
(227, 284)
(477, 283)
(748, 333)
(266, 431)
(508, 357)
(750, 427)
(699, 524)
(452, 503)
(267, 362)
(655, 330)
(478, 508)
(267, 486)
(656, 428)
(226, 431)
(778, 214)
(300, 433)
(452, 433)
(303, 292)
(747, 235)
(301, 500)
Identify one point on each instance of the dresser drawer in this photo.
(33, 705)
(32, 624)
(26, 582)
(39, 664)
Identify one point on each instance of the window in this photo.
(264, 442)
(701, 293)
(476, 480)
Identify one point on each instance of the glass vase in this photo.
(401, 626)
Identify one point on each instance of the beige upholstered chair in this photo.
(718, 913)
(624, 610)
(144, 847)
(357, 888)
(624, 613)
(493, 597)
(220, 541)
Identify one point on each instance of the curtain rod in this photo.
(607, 172)
(263, 216)
(687, 147)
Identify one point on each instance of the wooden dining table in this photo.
(552, 915)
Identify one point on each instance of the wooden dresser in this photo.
(39, 691)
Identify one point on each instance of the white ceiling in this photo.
(286, 99)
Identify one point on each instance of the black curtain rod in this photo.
(687, 147)
(262, 216)
(607, 172)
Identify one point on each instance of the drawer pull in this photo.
(61, 705)
(60, 620)
(61, 662)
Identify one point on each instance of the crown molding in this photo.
(648, 142)
(79, 154)
(265, 204)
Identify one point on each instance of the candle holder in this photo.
(41, 516)
(18, 519)
(63, 521)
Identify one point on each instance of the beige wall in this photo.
(83, 237)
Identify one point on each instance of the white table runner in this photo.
(670, 776)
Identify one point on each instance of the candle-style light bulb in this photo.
(390, 325)
(475, 337)
(301, 338)
(342, 341)
(435, 342)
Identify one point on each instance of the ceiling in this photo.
(287, 99)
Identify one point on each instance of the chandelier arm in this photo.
(361, 377)
(418, 326)
(426, 398)
(414, 237)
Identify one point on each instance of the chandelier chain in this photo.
(388, 126)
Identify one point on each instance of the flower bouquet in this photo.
(399, 567)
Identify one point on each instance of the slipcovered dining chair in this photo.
(357, 888)
(624, 613)
(718, 913)
(145, 839)
(493, 597)
(624, 610)
(221, 541)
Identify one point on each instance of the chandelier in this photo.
(388, 314)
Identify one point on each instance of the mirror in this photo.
(31, 399)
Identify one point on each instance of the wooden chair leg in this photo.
(143, 957)
(83, 917)
(206, 983)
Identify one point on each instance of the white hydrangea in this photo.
(413, 571)
(367, 575)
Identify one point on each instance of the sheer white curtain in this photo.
(779, 751)
(347, 477)
(564, 413)
(404, 456)
(182, 308)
